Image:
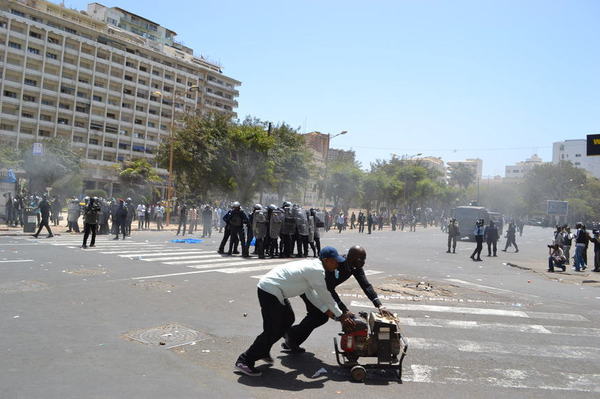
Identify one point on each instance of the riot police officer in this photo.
(259, 228)
(275, 216)
(236, 219)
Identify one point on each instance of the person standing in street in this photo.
(207, 217)
(183, 213)
(352, 220)
(478, 233)
(361, 222)
(370, 222)
(491, 237)
(73, 211)
(141, 212)
(90, 220)
(121, 219)
(44, 208)
(159, 212)
(511, 233)
(340, 222)
(286, 281)
(453, 235)
(193, 219)
(394, 221)
(581, 240)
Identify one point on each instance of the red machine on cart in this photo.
(373, 335)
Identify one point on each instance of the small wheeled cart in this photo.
(374, 335)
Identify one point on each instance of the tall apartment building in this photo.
(474, 163)
(575, 151)
(108, 81)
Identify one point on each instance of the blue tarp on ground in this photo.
(187, 241)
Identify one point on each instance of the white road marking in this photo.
(165, 253)
(243, 269)
(204, 261)
(476, 311)
(16, 261)
(487, 287)
(505, 378)
(519, 328)
(126, 251)
(199, 257)
(558, 351)
(223, 265)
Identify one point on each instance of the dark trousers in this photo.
(89, 228)
(206, 229)
(238, 234)
(302, 245)
(478, 248)
(287, 241)
(452, 242)
(369, 227)
(224, 240)
(272, 246)
(492, 247)
(314, 318)
(182, 222)
(74, 226)
(361, 227)
(552, 264)
(260, 247)
(277, 319)
(121, 227)
(44, 223)
(511, 241)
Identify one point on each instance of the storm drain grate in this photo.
(170, 335)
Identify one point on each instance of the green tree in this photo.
(343, 183)
(462, 176)
(137, 178)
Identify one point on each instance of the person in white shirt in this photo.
(141, 210)
(287, 281)
(159, 211)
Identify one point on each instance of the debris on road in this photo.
(319, 372)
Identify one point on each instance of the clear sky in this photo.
(499, 80)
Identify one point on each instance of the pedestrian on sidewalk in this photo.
(141, 212)
(159, 211)
(90, 220)
(567, 241)
(44, 209)
(596, 240)
(581, 240)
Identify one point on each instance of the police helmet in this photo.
(286, 204)
(272, 207)
(235, 204)
(258, 207)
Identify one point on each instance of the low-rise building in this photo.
(520, 169)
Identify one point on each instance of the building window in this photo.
(45, 118)
(43, 133)
(26, 114)
(78, 139)
(64, 106)
(10, 94)
(62, 121)
(14, 45)
(108, 144)
(123, 146)
(577, 155)
(15, 12)
(69, 30)
(94, 141)
(35, 34)
(97, 98)
(33, 50)
(53, 40)
(28, 98)
(52, 56)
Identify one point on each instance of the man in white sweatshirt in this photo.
(287, 281)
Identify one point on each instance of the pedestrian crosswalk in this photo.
(529, 350)
(170, 255)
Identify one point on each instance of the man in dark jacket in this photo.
(91, 214)
(491, 237)
(353, 266)
(235, 219)
(182, 219)
(44, 208)
(121, 219)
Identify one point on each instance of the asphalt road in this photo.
(88, 323)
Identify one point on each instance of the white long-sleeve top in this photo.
(305, 276)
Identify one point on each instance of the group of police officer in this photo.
(276, 230)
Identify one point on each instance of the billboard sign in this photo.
(593, 144)
(558, 208)
(38, 149)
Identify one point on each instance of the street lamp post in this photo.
(171, 129)
(329, 138)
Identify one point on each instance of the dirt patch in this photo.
(154, 285)
(22, 286)
(86, 272)
(415, 288)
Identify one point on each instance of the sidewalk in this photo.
(569, 276)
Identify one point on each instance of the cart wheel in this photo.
(358, 373)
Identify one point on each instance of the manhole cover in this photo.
(170, 335)
(22, 286)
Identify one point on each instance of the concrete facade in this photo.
(575, 151)
(112, 93)
(520, 169)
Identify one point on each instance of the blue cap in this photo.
(331, 252)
